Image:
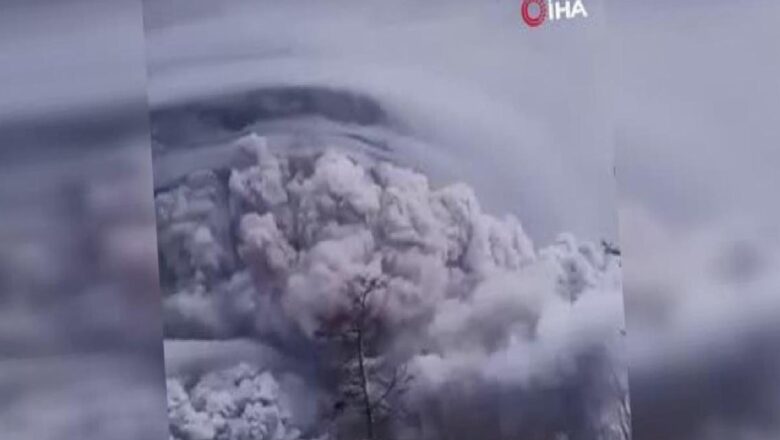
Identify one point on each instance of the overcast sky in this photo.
(521, 111)
(697, 102)
(72, 77)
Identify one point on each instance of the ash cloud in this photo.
(264, 248)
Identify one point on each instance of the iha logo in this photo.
(536, 12)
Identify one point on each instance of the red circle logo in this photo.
(534, 18)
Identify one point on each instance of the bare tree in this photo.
(617, 423)
(620, 388)
(367, 382)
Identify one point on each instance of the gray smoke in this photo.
(263, 247)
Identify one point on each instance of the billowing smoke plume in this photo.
(238, 403)
(267, 248)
